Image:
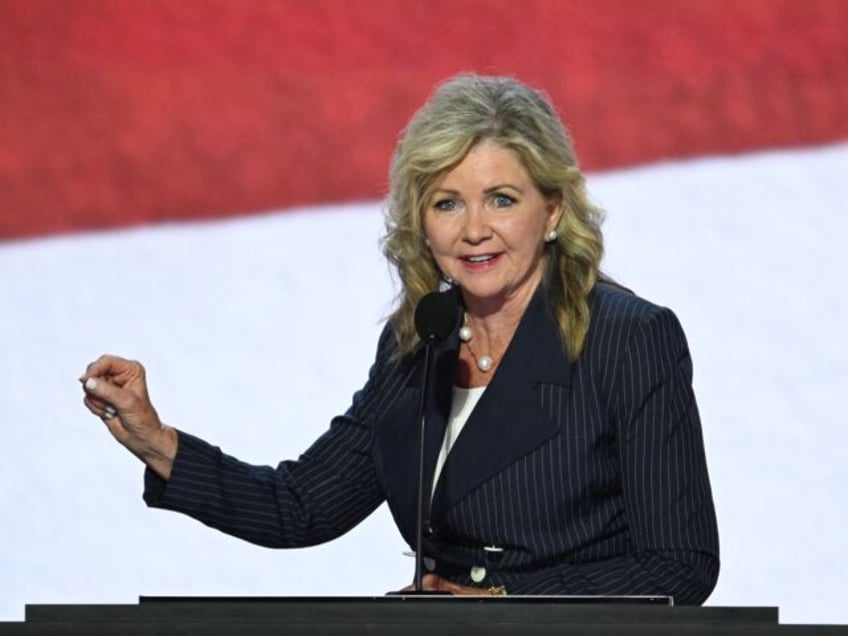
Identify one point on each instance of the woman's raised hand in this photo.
(116, 392)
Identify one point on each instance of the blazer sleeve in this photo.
(326, 492)
(666, 489)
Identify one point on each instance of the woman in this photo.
(580, 468)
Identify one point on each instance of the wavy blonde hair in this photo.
(461, 113)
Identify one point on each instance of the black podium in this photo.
(404, 615)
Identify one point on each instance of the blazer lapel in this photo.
(510, 419)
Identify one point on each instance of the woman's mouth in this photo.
(479, 262)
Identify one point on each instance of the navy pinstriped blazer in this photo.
(588, 477)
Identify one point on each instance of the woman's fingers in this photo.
(104, 391)
(105, 365)
(115, 381)
(114, 369)
(115, 389)
(434, 582)
(98, 407)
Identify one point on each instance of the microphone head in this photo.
(436, 315)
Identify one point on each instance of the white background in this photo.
(256, 331)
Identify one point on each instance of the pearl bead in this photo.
(484, 363)
(465, 333)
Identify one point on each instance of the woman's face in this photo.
(486, 225)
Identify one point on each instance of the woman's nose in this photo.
(476, 227)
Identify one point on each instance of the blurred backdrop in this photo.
(197, 185)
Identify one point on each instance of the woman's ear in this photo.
(556, 209)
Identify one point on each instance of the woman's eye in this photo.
(503, 200)
(445, 205)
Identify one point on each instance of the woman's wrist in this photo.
(159, 453)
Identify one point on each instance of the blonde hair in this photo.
(462, 112)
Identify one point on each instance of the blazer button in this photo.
(478, 573)
(493, 553)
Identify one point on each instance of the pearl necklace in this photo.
(484, 362)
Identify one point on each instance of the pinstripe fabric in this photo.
(590, 476)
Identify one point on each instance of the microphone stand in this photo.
(435, 317)
(422, 495)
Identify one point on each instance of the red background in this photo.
(119, 113)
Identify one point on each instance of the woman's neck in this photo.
(498, 318)
(492, 326)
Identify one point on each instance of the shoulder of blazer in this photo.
(614, 313)
(625, 330)
(608, 300)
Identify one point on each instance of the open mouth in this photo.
(480, 261)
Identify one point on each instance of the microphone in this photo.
(435, 318)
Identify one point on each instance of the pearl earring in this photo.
(551, 236)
